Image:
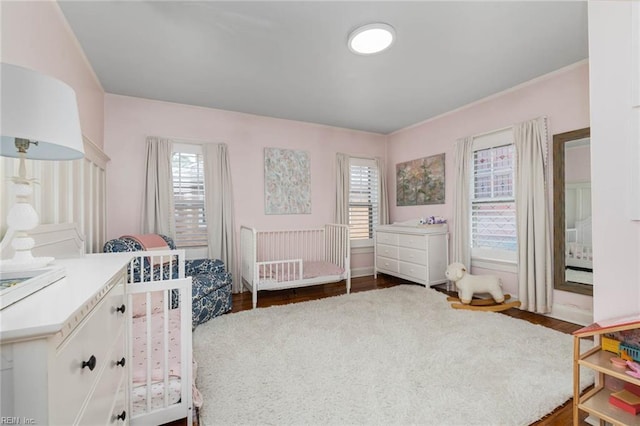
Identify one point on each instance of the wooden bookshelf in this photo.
(596, 401)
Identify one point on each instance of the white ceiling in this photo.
(290, 60)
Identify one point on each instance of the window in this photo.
(363, 198)
(493, 209)
(188, 196)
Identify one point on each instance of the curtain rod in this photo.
(490, 132)
(504, 128)
(187, 141)
(359, 157)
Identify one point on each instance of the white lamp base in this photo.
(22, 259)
(21, 218)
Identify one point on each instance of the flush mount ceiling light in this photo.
(371, 38)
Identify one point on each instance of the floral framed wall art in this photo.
(421, 181)
(287, 181)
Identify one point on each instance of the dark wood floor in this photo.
(242, 301)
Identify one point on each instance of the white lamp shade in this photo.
(39, 108)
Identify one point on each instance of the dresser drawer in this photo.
(413, 241)
(387, 238)
(120, 406)
(93, 337)
(412, 255)
(103, 405)
(414, 271)
(387, 251)
(384, 263)
(117, 304)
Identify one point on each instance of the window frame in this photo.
(486, 256)
(184, 148)
(375, 220)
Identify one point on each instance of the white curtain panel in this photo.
(461, 202)
(342, 189)
(219, 207)
(383, 198)
(535, 284)
(157, 203)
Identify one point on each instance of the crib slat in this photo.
(165, 346)
(149, 349)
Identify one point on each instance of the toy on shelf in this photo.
(627, 398)
(635, 369)
(432, 220)
(468, 285)
(618, 362)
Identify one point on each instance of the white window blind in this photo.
(188, 196)
(363, 198)
(493, 211)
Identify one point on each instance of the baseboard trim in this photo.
(560, 312)
(361, 272)
(571, 314)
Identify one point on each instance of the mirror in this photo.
(572, 249)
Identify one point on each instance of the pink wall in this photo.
(562, 96)
(36, 35)
(129, 120)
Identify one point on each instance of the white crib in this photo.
(579, 253)
(274, 260)
(161, 383)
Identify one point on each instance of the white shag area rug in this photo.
(400, 355)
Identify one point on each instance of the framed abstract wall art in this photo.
(287, 181)
(420, 182)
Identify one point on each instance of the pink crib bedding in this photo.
(157, 342)
(289, 271)
(140, 351)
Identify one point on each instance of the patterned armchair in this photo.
(211, 288)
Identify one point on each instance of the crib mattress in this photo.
(576, 276)
(139, 396)
(311, 270)
(320, 273)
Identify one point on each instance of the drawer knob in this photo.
(121, 416)
(121, 309)
(121, 362)
(91, 363)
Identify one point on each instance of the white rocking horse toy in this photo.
(468, 285)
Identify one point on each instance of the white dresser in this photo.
(63, 348)
(415, 253)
